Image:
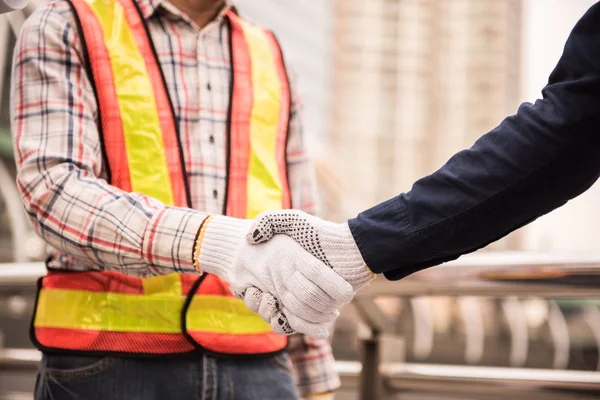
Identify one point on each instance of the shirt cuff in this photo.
(169, 239)
(11, 5)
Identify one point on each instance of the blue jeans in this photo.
(205, 378)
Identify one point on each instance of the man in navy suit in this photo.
(532, 163)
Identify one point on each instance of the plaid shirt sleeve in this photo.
(312, 360)
(60, 172)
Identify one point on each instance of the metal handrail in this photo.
(492, 382)
(496, 275)
(22, 359)
(20, 275)
(467, 276)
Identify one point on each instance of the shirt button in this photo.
(211, 139)
(208, 87)
(215, 193)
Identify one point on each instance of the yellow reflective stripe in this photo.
(107, 311)
(163, 285)
(137, 105)
(264, 184)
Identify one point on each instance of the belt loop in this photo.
(210, 377)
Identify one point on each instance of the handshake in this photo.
(293, 269)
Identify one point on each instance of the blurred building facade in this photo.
(415, 81)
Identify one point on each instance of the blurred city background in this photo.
(391, 89)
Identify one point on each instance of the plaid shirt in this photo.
(92, 225)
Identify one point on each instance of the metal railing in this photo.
(19, 359)
(501, 274)
(467, 381)
(484, 274)
(488, 274)
(490, 382)
(481, 274)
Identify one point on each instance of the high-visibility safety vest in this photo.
(111, 313)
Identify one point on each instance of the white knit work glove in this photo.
(331, 243)
(303, 289)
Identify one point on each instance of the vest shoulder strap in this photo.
(138, 129)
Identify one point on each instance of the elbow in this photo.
(38, 190)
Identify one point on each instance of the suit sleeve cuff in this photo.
(380, 234)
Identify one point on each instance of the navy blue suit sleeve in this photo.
(533, 162)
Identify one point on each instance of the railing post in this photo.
(377, 324)
(370, 379)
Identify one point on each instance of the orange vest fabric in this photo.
(108, 312)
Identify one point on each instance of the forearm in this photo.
(394, 238)
(530, 164)
(96, 223)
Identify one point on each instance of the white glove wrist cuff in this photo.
(344, 255)
(219, 240)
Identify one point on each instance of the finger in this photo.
(269, 306)
(261, 229)
(325, 278)
(252, 299)
(306, 311)
(268, 224)
(280, 324)
(317, 331)
(265, 304)
(305, 299)
(238, 293)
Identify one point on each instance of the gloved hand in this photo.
(302, 288)
(329, 242)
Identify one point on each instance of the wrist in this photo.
(346, 258)
(169, 238)
(198, 242)
(219, 240)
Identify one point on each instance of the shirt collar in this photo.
(149, 7)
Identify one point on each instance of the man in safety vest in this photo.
(139, 124)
